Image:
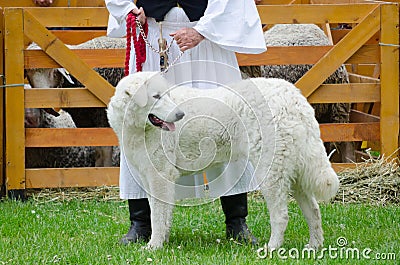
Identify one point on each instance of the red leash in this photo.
(138, 43)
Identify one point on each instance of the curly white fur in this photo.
(274, 116)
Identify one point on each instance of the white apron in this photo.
(220, 180)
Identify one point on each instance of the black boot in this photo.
(139, 214)
(235, 210)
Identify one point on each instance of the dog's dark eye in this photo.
(157, 96)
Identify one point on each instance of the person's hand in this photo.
(187, 38)
(43, 2)
(139, 12)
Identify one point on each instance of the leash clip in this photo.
(162, 44)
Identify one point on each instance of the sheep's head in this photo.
(32, 118)
(44, 77)
(47, 77)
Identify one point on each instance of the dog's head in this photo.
(149, 93)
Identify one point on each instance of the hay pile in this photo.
(104, 193)
(375, 181)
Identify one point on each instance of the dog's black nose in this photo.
(179, 115)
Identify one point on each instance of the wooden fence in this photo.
(68, 37)
(354, 47)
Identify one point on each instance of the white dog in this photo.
(266, 121)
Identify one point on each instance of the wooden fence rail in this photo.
(353, 47)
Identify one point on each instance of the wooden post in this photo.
(14, 99)
(2, 176)
(389, 78)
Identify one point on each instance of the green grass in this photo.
(87, 232)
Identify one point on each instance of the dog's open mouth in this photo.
(168, 126)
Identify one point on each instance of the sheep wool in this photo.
(310, 35)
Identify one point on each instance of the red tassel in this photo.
(138, 43)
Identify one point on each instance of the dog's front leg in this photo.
(161, 205)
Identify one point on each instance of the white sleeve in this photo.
(234, 25)
(118, 10)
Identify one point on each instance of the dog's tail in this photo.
(318, 177)
(325, 184)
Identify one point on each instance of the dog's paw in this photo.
(274, 244)
(315, 242)
(313, 245)
(154, 245)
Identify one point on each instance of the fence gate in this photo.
(354, 47)
(29, 23)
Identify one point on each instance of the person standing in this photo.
(203, 30)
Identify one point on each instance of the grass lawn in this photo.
(87, 232)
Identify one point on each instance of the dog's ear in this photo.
(140, 96)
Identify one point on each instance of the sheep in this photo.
(61, 157)
(83, 117)
(310, 35)
(47, 157)
(250, 71)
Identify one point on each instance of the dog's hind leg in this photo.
(310, 209)
(277, 206)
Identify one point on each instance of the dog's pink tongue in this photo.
(169, 125)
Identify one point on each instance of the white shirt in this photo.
(232, 24)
